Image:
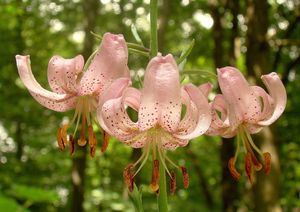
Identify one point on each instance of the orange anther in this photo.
(248, 166)
(60, 141)
(92, 141)
(128, 177)
(155, 176)
(173, 182)
(267, 166)
(72, 144)
(185, 176)
(105, 141)
(234, 173)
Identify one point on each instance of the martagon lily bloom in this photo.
(79, 88)
(160, 126)
(245, 110)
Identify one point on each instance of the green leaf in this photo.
(136, 198)
(136, 35)
(34, 194)
(186, 52)
(10, 205)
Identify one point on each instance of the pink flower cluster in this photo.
(102, 91)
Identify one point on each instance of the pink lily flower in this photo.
(74, 88)
(245, 110)
(160, 126)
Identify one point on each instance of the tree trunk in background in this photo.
(266, 189)
(192, 156)
(229, 188)
(90, 10)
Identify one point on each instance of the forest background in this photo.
(257, 36)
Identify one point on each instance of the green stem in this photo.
(153, 26)
(162, 199)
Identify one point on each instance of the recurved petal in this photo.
(62, 73)
(59, 106)
(203, 115)
(160, 100)
(242, 103)
(278, 94)
(115, 90)
(189, 119)
(51, 100)
(205, 88)
(115, 120)
(220, 122)
(109, 63)
(266, 104)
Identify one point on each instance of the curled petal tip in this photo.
(278, 94)
(270, 75)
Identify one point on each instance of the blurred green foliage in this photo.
(36, 176)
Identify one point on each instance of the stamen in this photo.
(248, 166)
(64, 133)
(172, 182)
(81, 141)
(170, 161)
(92, 141)
(234, 173)
(72, 144)
(62, 136)
(155, 176)
(128, 177)
(162, 157)
(60, 141)
(267, 166)
(143, 158)
(105, 141)
(252, 143)
(255, 162)
(185, 176)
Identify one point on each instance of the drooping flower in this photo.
(73, 87)
(242, 110)
(160, 126)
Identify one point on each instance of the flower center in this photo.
(159, 158)
(251, 162)
(84, 112)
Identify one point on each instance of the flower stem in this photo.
(162, 199)
(153, 28)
